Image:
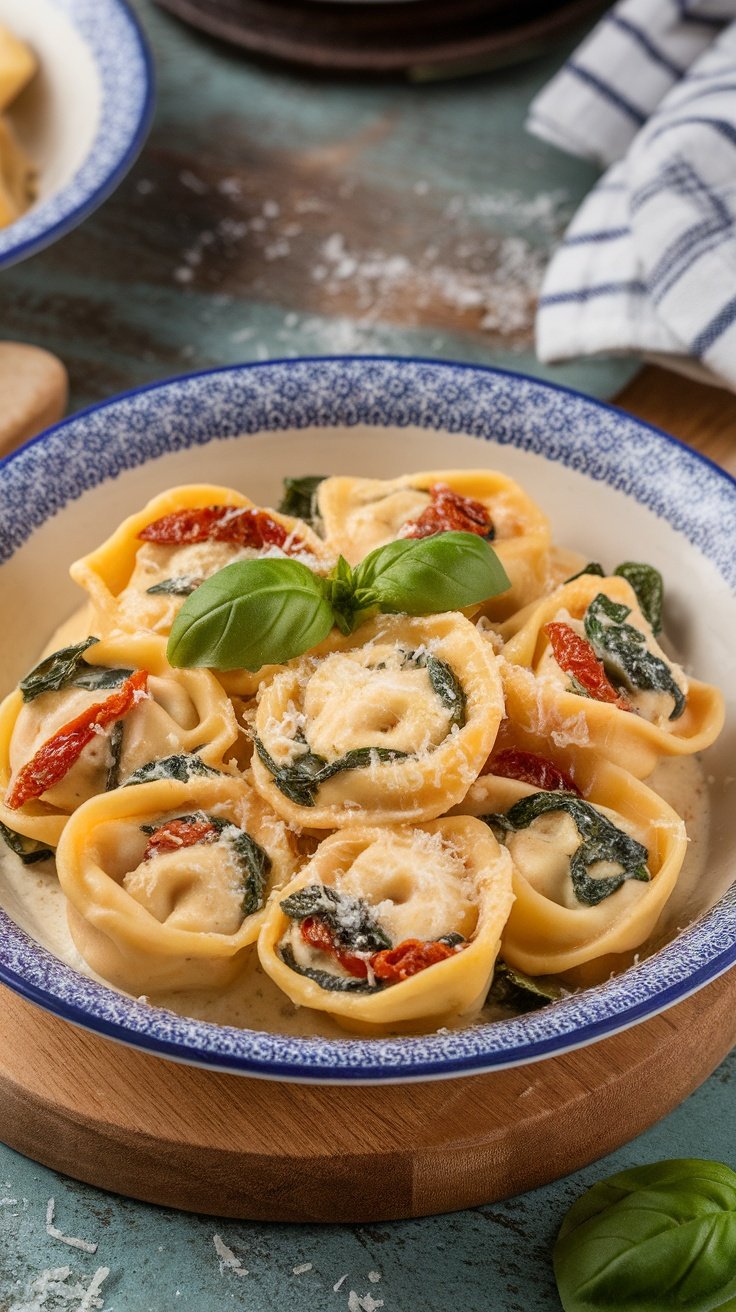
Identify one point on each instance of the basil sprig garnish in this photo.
(253, 862)
(351, 920)
(301, 780)
(646, 582)
(267, 611)
(655, 1237)
(66, 668)
(300, 497)
(624, 652)
(182, 766)
(601, 841)
(28, 849)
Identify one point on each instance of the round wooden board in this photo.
(260, 1150)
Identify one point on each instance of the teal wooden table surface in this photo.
(274, 214)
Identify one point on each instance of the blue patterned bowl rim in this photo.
(495, 405)
(124, 66)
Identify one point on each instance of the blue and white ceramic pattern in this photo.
(231, 425)
(92, 53)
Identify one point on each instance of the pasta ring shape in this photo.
(118, 935)
(370, 692)
(364, 859)
(544, 937)
(360, 514)
(543, 705)
(116, 572)
(187, 712)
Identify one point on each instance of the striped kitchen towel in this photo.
(648, 264)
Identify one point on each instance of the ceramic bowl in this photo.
(611, 485)
(84, 117)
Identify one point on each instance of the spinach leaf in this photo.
(326, 980)
(424, 576)
(649, 588)
(624, 652)
(96, 677)
(301, 780)
(254, 863)
(350, 918)
(602, 841)
(116, 751)
(445, 683)
(592, 567)
(300, 497)
(182, 766)
(182, 586)
(653, 1239)
(55, 671)
(512, 988)
(249, 614)
(27, 849)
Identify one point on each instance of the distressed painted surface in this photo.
(277, 214)
(490, 1259)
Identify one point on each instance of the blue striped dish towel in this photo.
(648, 264)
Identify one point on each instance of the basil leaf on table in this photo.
(249, 614)
(658, 1238)
(424, 576)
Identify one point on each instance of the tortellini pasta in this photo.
(592, 868)
(179, 711)
(167, 882)
(140, 577)
(651, 707)
(360, 514)
(392, 724)
(17, 173)
(391, 928)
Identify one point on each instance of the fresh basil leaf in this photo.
(27, 849)
(425, 576)
(182, 766)
(300, 497)
(116, 751)
(624, 652)
(182, 586)
(350, 918)
(653, 1239)
(301, 780)
(326, 980)
(55, 671)
(602, 841)
(512, 988)
(592, 567)
(445, 684)
(251, 613)
(649, 588)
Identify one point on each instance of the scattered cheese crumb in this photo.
(364, 1304)
(228, 1260)
(302, 1268)
(53, 1284)
(85, 1244)
(340, 1282)
(90, 1299)
(374, 1277)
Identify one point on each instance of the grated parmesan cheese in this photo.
(86, 1245)
(366, 1303)
(302, 1269)
(228, 1260)
(339, 1284)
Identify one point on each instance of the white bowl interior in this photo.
(57, 116)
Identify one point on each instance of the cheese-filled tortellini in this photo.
(17, 176)
(392, 724)
(595, 855)
(391, 928)
(360, 514)
(167, 882)
(17, 66)
(585, 664)
(139, 577)
(90, 715)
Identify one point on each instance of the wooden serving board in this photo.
(265, 1151)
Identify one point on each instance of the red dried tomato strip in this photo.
(576, 657)
(410, 957)
(239, 525)
(175, 834)
(529, 768)
(59, 753)
(318, 935)
(449, 511)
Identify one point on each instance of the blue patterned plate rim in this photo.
(124, 65)
(494, 405)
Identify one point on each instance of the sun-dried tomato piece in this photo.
(317, 934)
(174, 834)
(409, 958)
(239, 525)
(529, 768)
(58, 754)
(448, 511)
(576, 657)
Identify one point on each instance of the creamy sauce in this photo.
(33, 899)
